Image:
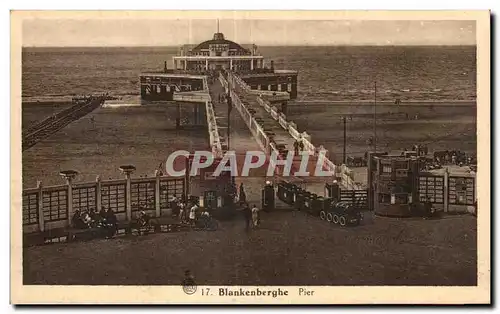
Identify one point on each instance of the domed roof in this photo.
(218, 39)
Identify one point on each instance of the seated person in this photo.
(109, 223)
(103, 213)
(111, 217)
(95, 217)
(77, 220)
(87, 220)
(143, 218)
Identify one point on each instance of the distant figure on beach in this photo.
(296, 147)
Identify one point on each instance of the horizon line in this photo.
(269, 45)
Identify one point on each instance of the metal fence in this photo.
(450, 191)
(431, 188)
(45, 208)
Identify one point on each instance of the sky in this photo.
(148, 32)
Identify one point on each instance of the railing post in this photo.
(157, 194)
(70, 201)
(446, 189)
(41, 223)
(98, 196)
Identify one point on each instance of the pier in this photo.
(212, 70)
(59, 120)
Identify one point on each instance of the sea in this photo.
(418, 73)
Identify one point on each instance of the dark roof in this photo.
(218, 39)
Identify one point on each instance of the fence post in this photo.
(98, 198)
(127, 170)
(128, 194)
(157, 194)
(70, 200)
(69, 175)
(446, 189)
(41, 223)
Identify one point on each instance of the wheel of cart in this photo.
(342, 220)
(329, 217)
(322, 215)
(344, 213)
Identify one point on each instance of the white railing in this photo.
(199, 97)
(343, 171)
(213, 130)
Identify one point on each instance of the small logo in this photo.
(188, 285)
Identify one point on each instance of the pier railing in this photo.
(51, 207)
(258, 132)
(213, 129)
(341, 171)
(275, 95)
(56, 122)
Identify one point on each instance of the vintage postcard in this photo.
(250, 157)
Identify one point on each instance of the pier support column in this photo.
(143, 91)
(178, 117)
(163, 91)
(293, 91)
(206, 64)
(251, 64)
(195, 114)
(284, 106)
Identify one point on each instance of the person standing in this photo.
(255, 216)
(247, 213)
(182, 211)
(296, 147)
(242, 195)
(301, 145)
(192, 214)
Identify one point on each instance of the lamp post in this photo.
(127, 170)
(69, 175)
(345, 140)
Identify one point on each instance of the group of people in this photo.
(251, 215)
(298, 145)
(186, 212)
(105, 219)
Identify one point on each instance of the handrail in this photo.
(281, 119)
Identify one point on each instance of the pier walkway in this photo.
(274, 133)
